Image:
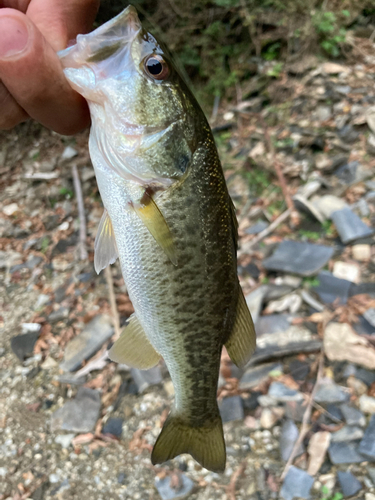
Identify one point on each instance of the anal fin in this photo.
(242, 340)
(153, 219)
(105, 244)
(133, 347)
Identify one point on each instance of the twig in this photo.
(306, 418)
(280, 219)
(112, 301)
(231, 488)
(81, 214)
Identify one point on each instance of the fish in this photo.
(169, 220)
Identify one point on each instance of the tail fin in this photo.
(205, 444)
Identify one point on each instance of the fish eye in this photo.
(156, 67)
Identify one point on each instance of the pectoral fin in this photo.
(153, 219)
(105, 244)
(133, 347)
(242, 341)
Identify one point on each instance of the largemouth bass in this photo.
(169, 219)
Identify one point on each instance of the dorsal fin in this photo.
(105, 244)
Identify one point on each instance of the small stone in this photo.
(330, 393)
(297, 484)
(64, 440)
(231, 409)
(288, 437)
(328, 204)
(349, 483)
(353, 416)
(367, 445)
(251, 402)
(299, 370)
(367, 376)
(23, 345)
(31, 327)
(258, 227)
(79, 414)
(370, 144)
(334, 413)
(323, 113)
(168, 387)
(42, 300)
(281, 393)
(270, 416)
(345, 453)
(49, 363)
(369, 496)
(87, 343)
(168, 492)
(3, 471)
(357, 385)
(145, 378)
(54, 478)
(347, 433)
(308, 258)
(10, 209)
(254, 376)
(317, 450)
(331, 68)
(345, 271)
(68, 154)
(367, 404)
(61, 314)
(349, 226)
(113, 426)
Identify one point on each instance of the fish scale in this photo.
(169, 218)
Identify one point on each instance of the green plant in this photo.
(310, 282)
(272, 51)
(276, 70)
(331, 34)
(66, 192)
(310, 235)
(328, 496)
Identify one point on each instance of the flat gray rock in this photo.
(254, 301)
(231, 409)
(297, 484)
(349, 483)
(145, 378)
(87, 343)
(345, 453)
(299, 258)
(347, 433)
(282, 393)
(258, 227)
(79, 414)
(367, 445)
(330, 393)
(353, 416)
(349, 226)
(254, 376)
(273, 323)
(331, 288)
(288, 437)
(170, 493)
(23, 345)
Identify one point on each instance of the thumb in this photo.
(32, 73)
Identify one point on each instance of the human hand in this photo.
(32, 82)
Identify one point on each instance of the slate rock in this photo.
(273, 323)
(145, 378)
(59, 315)
(349, 484)
(299, 258)
(250, 269)
(348, 173)
(349, 226)
(288, 437)
(299, 370)
(170, 493)
(345, 453)
(295, 410)
(369, 315)
(353, 416)
(251, 402)
(23, 345)
(330, 393)
(254, 301)
(87, 343)
(367, 376)
(331, 288)
(297, 484)
(367, 403)
(79, 414)
(282, 393)
(254, 376)
(367, 445)
(231, 409)
(113, 426)
(258, 227)
(347, 433)
(335, 412)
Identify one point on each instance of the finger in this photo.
(32, 73)
(61, 21)
(11, 112)
(20, 5)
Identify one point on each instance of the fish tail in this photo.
(205, 444)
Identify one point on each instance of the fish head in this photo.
(144, 118)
